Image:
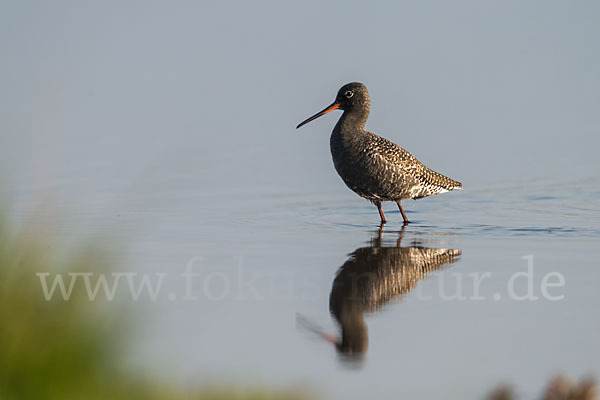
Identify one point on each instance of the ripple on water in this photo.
(561, 210)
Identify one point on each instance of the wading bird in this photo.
(373, 167)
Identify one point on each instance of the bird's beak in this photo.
(331, 339)
(332, 107)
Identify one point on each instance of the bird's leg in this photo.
(378, 204)
(406, 221)
(400, 234)
(376, 242)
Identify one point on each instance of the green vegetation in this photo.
(70, 349)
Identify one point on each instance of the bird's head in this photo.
(350, 96)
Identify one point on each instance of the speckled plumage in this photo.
(374, 276)
(374, 167)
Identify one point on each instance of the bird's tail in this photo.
(441, 181)
(431, 182)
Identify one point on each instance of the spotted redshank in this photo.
(373, 167)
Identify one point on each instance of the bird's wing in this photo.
(389, 152)
(395, 157)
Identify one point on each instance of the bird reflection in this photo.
(374, 276)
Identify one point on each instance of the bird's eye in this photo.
(349, 94)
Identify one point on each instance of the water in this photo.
(268, 259)
(287, 251)
(268, 225)
(183, 153)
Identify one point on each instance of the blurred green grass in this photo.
(71, 349)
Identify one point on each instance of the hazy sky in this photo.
(100, 93)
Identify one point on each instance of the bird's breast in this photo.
(354, 166)
(363, 167)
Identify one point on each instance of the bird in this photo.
(374, 276)
(376, 168)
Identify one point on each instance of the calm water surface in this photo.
(259, 310)
(267, 262)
